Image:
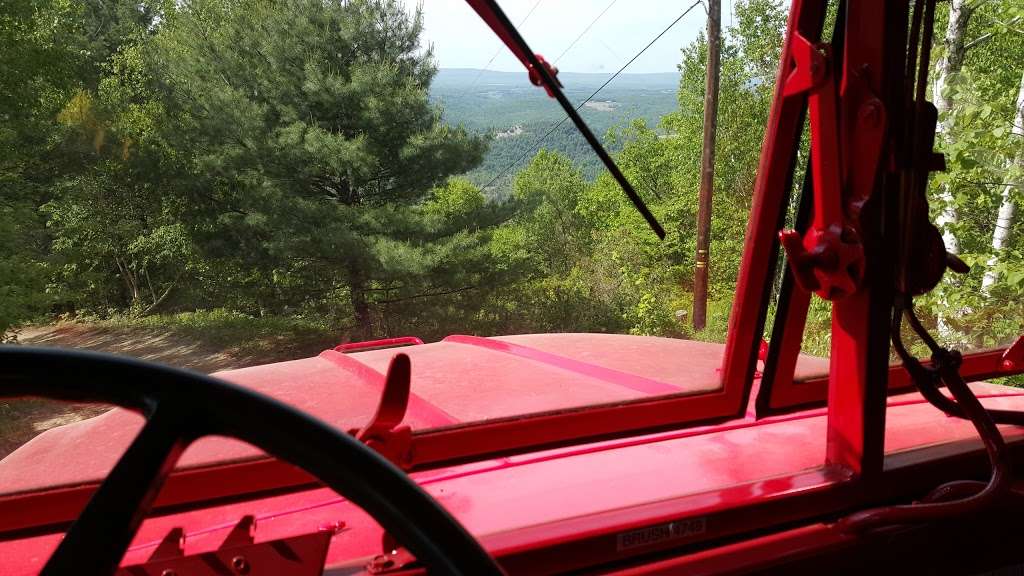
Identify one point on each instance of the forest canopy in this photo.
(286, 158)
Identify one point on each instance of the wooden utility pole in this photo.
(707, 166)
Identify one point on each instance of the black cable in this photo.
(961, 497)
(921, 332)
(945, 364)
(976, 496)
(585, 30)
(540, 140)
(925, 379)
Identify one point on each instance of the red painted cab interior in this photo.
(604, 453)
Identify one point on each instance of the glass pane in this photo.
(225, 185)
(22, 419)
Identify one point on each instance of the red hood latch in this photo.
(385, 432)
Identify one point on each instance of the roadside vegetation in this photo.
(237, 335)
(204, 341)
(270, 175)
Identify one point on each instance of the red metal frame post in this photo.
(771, 193)
(872, 88)
(845, 242)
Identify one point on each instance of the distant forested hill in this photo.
(517, 114)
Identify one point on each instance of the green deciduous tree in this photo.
(983, 173)
(556, 283)
(119, 221)
(50, 51)
(32, 65)
(604, 270)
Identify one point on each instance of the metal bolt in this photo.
(168, 572)
(240, 565)
(332, 527)
(381, 562)
(1008, 364)
(871, 113)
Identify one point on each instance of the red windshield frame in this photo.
(855, 388)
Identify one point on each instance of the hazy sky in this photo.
(462, 40)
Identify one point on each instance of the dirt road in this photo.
(21, 420)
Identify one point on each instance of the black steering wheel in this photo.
(182, 406)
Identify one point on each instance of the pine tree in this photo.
(310, 125)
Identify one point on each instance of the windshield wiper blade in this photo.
(543, 74)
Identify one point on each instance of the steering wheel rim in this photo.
(180, 407)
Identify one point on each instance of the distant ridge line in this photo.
(470, 79)
(456, 69)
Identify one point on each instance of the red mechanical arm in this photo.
(543, 74)
(829, 258)
(485, 10)
(870, 221)
(842, 86)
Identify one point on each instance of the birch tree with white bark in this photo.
(977, 90)
(1007, 204)
(948, 66)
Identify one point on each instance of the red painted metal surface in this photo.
(800, 393)
(819, 549)
(394, 400)
(1012, 361)
(385, 432)
(617, 377)
(828, 258)
(778, 391)
(858, 341)
(872, 80)
(223, 468)
(771, 192)
(457, 390)
(384, 343)
(567, 507)
(424, 411)
(551, 503)
(746, 556)
(301, 555)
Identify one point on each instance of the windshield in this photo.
(221, 185)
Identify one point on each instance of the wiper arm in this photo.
(543, 74)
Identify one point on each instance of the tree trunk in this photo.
(949, 65)
(1004, 220)
(131, 282)
(360, 307)
(158, 300)
(707, 166)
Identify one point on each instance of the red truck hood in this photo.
(457, 380)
